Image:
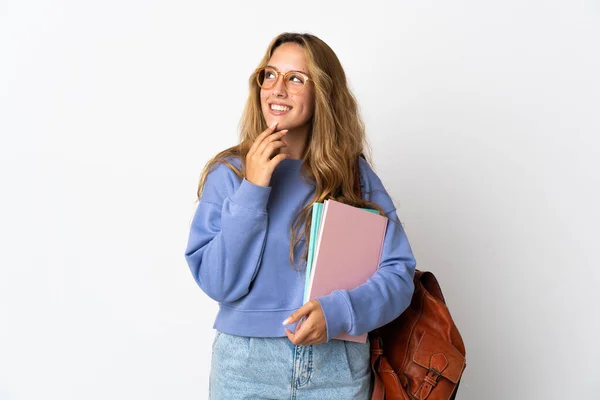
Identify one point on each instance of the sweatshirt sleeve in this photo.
(389, 292)
(227, 235)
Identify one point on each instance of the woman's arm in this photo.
(389, 292)
(228, 232)
(227, 235)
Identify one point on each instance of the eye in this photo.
(270, 74)
(295, 78)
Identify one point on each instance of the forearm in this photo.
(383, 297)
(226, 242)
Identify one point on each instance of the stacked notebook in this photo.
(344, 250)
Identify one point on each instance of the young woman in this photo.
(301, 140)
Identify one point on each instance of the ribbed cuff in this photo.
(337, 315)
(251, 196)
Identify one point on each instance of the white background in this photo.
(484, 121)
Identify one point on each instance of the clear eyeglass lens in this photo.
(294, 82)
(267, 77)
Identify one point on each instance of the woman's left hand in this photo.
(313, 330)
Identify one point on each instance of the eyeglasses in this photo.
(294, 81)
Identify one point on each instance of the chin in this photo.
(282, 124)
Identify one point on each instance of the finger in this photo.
(271, 149)
(313, 337)
(300, 337)
(263, 135)
(316, 338)
(316, 341)
(299, 313)
(310, 341)
(290, 335)
(276, 160)
(303, 333)
(268, 140)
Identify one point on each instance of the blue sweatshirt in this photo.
(238, 253)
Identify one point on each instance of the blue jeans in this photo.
(274, 368)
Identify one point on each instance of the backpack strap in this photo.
(378, 392)
(430, 283)
(357, 188)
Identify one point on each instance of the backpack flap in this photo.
(439, 359)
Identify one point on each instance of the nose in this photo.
(279, 88)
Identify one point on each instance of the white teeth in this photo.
(277, 107)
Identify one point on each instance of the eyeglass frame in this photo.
(307, 78)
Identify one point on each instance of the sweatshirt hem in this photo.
(253, 323)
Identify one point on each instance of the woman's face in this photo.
(299, 107)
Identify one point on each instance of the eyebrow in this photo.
(292, 70)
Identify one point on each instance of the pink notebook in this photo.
(348, 251)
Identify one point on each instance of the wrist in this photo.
(258, 182)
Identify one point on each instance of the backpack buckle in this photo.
(435, 372)
(432, 377)
(430, 381)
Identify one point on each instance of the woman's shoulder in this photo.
(225, 166)
(368, 177)
(223, 178)
(372, 187)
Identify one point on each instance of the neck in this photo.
(296, 140)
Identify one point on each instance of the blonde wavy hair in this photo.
(335, 142)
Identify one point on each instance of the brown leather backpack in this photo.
(420, 355)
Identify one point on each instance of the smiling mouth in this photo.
(279, 108)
